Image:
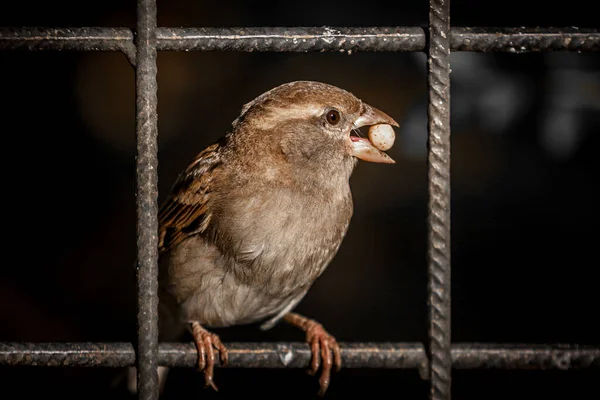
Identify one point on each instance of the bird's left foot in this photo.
(205, 342)
(323, 347)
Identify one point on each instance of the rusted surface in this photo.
(69, 39)
(525, 40)
(67, 354)
(147, 200)
(241, 355)
(277, 39)
(522, 356)
(297, 355)
(297, 39)
(438, 215)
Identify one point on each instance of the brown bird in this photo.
(256, 218)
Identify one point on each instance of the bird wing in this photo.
(184, 212)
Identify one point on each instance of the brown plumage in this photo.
(256, 217)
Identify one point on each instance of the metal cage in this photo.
(434, 359)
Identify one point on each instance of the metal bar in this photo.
(298, 39)
(80, 39)
(297, 355)
(305, 39)
(438, 80)
(147, 200)
(523, 356)
(524, 40)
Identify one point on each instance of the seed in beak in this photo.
(382, 136)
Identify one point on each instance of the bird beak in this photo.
(362, 148)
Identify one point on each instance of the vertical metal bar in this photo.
(147, 200)
(439, 199)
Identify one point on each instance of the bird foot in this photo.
(324, 348)
(206, 342)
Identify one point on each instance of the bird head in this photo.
(311, 124)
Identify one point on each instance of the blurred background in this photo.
(525, 137)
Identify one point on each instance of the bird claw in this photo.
(206, 342)
(324, 348)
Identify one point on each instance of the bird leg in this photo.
(205, 341)
(322, 345)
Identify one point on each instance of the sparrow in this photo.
(256, 218)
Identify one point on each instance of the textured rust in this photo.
(524, 40)
(438, 161)
(147, 200)
(297, 355)
(69, 39)
(298, 39)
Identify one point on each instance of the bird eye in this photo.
(333, 117)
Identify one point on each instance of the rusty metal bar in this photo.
(65, 39)
(299, 39)
(524, 356)
(304, 39)
(147, 200)
(438, 161)
(297, 355)
(524, 40)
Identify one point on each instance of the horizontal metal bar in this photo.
(525, 356)
(79, 39)
(296, 39)
(524, 40)
(375, 39)
(241, 355)
(297, 355)
(299, 39)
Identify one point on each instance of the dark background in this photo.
(524, 212)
